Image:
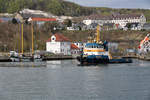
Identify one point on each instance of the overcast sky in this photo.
(115, 3)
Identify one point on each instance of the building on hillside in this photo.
(81, 26)
(27, 13)
(63, 18)
(5, 19)
(120, 19)
(113, 47)
(74, 27)
(80, 45)
(133, 26)
(60, 26)
(6, 15)
(95, 18)
(130, 18)
(74, 49)
(38, 16)
(59, 44)
(146, 26)
(109, 26)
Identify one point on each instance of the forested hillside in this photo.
(57, 7)
(61, 7)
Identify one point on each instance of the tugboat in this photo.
(96, 52)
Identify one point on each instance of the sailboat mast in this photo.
(22, 38)
(32, 37)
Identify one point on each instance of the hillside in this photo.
(60, 7)
(57, 7)
(10, 37)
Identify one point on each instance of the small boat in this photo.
(15, 57)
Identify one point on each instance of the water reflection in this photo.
(61, 63)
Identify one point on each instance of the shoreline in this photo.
(66, 57)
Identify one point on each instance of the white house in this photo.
(59, 44)
(121, 19)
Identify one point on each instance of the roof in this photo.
(110, 17)
(73, 46)
(43, 19)
(97, 16)
(60, 38)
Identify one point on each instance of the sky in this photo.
(143, 4)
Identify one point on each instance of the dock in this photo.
(4, 59)
(56, 57)
(69, 57)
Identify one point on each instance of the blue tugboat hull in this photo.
(93, 60)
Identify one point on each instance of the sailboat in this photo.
(34, 57)
(15, 57)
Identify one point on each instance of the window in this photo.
(53, 38)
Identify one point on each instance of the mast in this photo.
(98, 34)
(22, 51)
(32, 37)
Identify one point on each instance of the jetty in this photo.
(4, 57)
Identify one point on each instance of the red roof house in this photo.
(59, 44)
(58, 38)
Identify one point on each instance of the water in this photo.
(64, 80)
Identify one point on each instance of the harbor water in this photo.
(64, 80)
